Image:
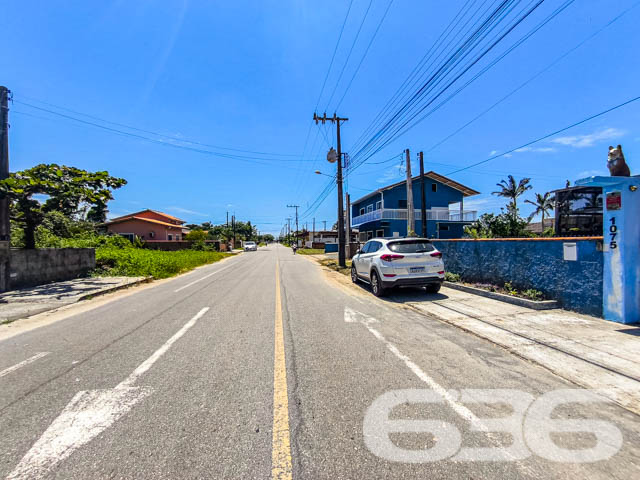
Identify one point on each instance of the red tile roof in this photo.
(171, 217)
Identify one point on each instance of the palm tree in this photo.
(510, 189)
(543, 204)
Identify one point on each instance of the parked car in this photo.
(385, 263)
(250, 246)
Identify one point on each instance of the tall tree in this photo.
(543, 204)
(511, 189)
(66, 188)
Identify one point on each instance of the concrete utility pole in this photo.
(297, 231)
(423, 205)
(341, 240)
(233, 227)
(289, 230)
(349, 222)
(5, 225)
(325, 225)
(313, 237)
(411, 224)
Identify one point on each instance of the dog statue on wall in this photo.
(616, 163)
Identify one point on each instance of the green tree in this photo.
(67, 188)
(543, 204)
(196, 236)
(512, 190)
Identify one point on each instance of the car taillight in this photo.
(387, 257)
(436, 254)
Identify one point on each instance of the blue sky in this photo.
(246, 75)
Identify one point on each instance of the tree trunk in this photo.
(30, 236)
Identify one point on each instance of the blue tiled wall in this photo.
(538, 264)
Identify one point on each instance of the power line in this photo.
(544, 70)
(364, 55)
(157, 134)
(263, 161)
(546, 136)
(353, 44)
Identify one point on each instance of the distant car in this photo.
(385, 263)
(250, 246)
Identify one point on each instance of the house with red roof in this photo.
(148, 225)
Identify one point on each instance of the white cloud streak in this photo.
(582, 141)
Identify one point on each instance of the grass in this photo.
(311, 251)
(136, 262)
(333, 265)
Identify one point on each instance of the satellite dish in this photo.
(332, 155)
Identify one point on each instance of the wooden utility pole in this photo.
(297, 231)
(411, 224)
(423, 205)
(5, 225)
(341, 240)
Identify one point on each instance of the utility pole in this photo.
(227, 219)
(233, 227)
(411, 225)
(289, 230)
(349, 222)
(313, 237)
(325, 225)
(296, 207)
(341, 243)
(5, 225)
(423, 206)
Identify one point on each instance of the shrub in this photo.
(134, 262)
(451, 277)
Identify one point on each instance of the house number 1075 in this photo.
(613, 233)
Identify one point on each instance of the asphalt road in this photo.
(261, 367)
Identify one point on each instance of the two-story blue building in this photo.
(383, 213)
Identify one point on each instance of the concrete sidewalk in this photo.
(587, 351)
(26, 302)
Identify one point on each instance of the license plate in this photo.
(416, 269)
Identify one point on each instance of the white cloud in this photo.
(393, 173)
(592, 173)
(582, 141)
(185, 211)
(493, 152)
(535, 149)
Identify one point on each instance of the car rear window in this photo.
(411, 246)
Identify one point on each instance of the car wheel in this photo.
(354, 274)
(376, 285)
(433, 288)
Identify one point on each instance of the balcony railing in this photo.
(401, 214)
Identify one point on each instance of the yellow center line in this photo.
(281, 457)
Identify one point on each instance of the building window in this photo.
(434, 187)
(444, 228)
(362, 211)
(369, 235)
(177, 237)
(402, 204)
(169, 237)
(379, 205)
(129, 236)
(369, 208)
(379, 233)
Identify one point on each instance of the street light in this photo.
(318, 172)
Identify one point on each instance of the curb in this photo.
(522, 302)
(113, 289)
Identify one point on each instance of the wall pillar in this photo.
(621, 225)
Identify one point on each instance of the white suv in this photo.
(389, 262)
